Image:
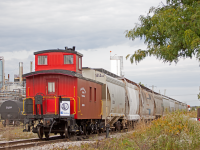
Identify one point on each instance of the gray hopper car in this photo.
(128, 102)
(11, 112)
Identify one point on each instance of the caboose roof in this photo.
(54, 71)
(58, 50)
(59, 71)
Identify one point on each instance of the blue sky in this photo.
(95, 28)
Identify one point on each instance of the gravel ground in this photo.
(59, 145)
(64, 145)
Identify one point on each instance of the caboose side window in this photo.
(42, 60)
(90, 93)
(95, 94)
(68, 59)
(51, 87)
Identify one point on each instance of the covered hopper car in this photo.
(62, 97)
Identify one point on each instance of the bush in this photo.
(174, 131)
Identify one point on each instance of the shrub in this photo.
(174, 131)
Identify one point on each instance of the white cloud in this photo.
(179, 79)
(95, 28)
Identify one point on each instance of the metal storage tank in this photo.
(1, 72)
(133, 102)
(11, 110)
(166, 105)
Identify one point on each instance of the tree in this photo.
(171, 31)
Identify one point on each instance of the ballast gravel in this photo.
(64, 145)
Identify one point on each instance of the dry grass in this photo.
(1, 125)
(173, 131)
(192, 114)
(12, 133)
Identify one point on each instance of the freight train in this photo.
(11, 113)
(64, 97)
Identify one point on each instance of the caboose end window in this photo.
(68, 59)
(80, 63)
(51, 87)
(42, 60)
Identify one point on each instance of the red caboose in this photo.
(59, 98)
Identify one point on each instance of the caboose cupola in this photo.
(64, 59)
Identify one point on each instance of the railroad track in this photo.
(37, 142)
(30, 143)
(55, 139)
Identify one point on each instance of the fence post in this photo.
(107, 130)
(198, 114)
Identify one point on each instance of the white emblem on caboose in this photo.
(83, 91)
(65, 106)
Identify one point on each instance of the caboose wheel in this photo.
(61, 134)
(84, 129)
(47, 135)
(66, 131)
(40, 132)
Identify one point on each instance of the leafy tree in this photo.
(171, 31)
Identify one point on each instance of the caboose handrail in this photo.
(55, 106)
(79, 105)
(101, 108)
(71, 98)
(23, 106)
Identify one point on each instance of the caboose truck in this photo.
(58, 98)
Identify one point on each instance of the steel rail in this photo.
(55, 139)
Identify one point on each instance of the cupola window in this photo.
(68, 59)
(42, 60)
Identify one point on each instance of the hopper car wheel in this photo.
(40, 132)
(66, 131)
(85, 129)
(47, 135)
(117, 126)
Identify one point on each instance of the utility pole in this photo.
(164, 91)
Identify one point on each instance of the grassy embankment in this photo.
(173, 131)
(10, 133)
